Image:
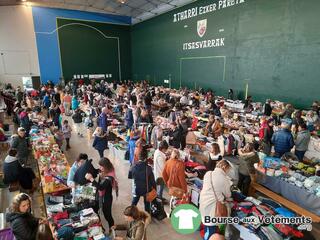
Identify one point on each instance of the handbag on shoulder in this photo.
(221, 209)
(150, 196)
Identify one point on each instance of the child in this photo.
(88, 123)
(66, 129)
(58, 135)
(46, 101)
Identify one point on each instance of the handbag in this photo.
(176, 192)
(221, 208)
(127, 155)
(157, 210)
(150, 196)
(130, 172)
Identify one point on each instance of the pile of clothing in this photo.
(294, 172)
(311, 184)
(74, 221)
(263, 207)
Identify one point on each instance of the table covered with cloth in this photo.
(293, 193)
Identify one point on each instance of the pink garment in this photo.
(114, 184)
(23, 114)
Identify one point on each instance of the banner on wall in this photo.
(92, 76)
(196, 11)
(202, 24)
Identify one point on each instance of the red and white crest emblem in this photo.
(201, 27)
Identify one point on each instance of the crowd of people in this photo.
(172, 114)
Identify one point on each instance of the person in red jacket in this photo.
(265, 135)
(85, 98)
(263, 125)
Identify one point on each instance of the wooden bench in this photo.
(285, 202)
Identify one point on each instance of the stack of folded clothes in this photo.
(74, 221)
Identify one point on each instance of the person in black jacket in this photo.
(148, 100)
(14, 172)
(23, 224)
(183, 125)
(174, 135)
(86, 167)
(141, 172)
(266, 142)
(104, 187)
(54, 114)
(77, 119)
(267, 109)
(56, 97)
(21, 143)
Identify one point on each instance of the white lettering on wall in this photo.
(195, 11)
(212, 43)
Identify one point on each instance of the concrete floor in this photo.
(156, 230)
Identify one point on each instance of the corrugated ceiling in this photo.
(139, 10)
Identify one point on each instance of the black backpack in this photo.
(157, 210)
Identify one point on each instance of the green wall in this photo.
(85, 48)
(273, 45)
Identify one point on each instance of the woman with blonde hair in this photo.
(174, 175)
(100, 142)
(216, 188)
(248, 157)
(23, 224)
(214, 156)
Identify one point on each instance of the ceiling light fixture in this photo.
(23, 0)
(122, 1)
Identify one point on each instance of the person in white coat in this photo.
(159, 161)
(215, 183)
